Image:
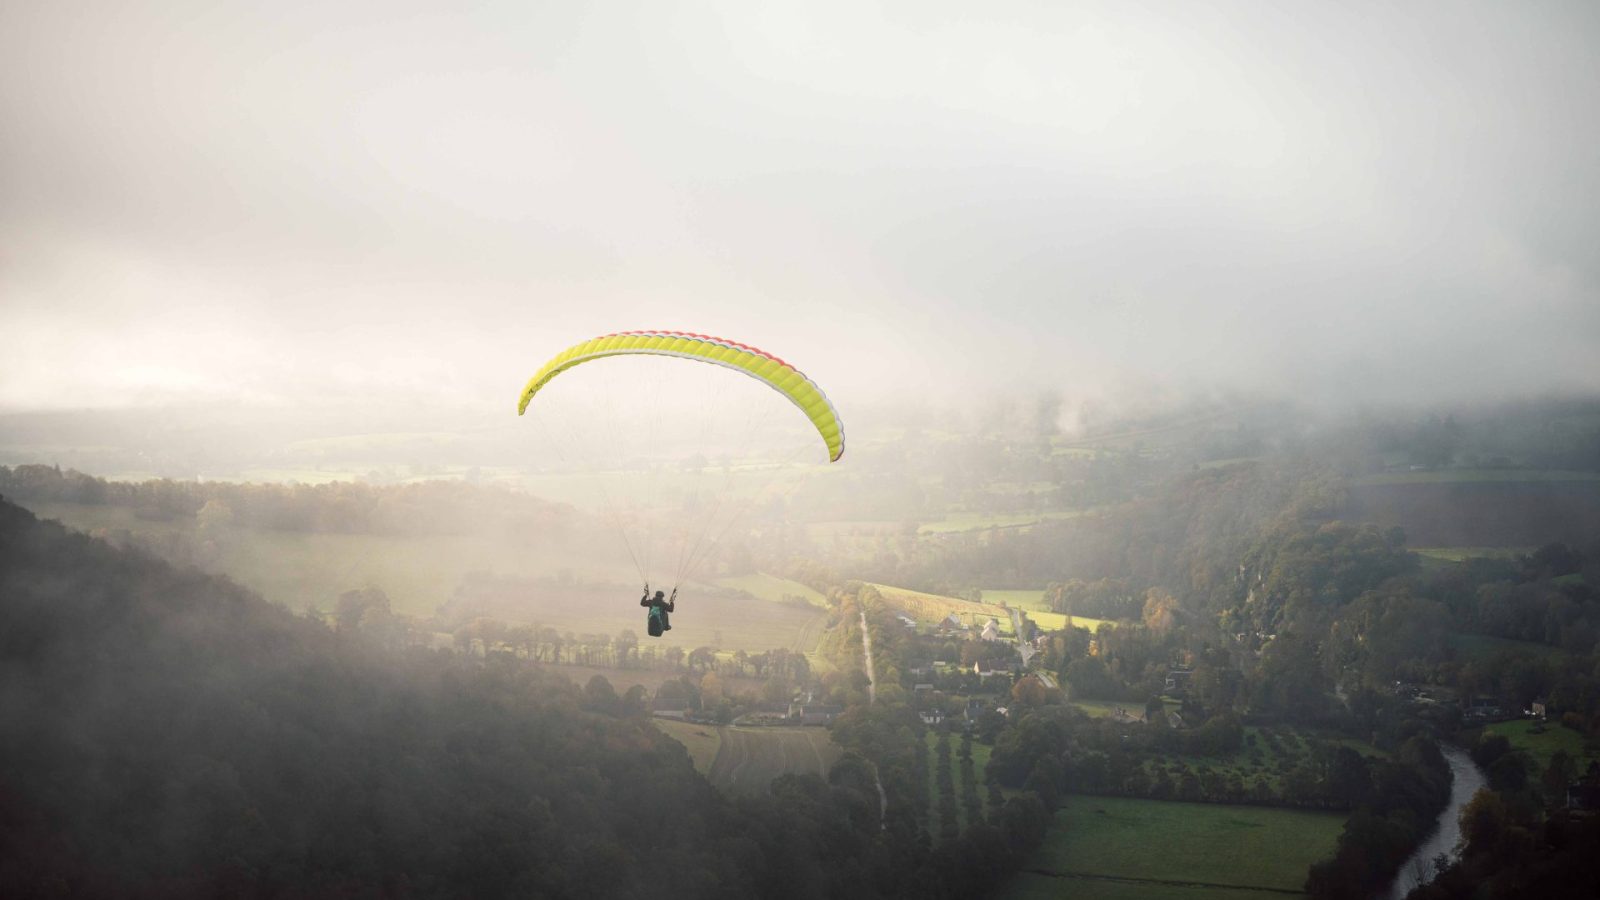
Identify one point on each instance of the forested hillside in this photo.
(166, 733)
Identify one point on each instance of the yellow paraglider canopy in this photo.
(758, 364)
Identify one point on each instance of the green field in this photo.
(747, 759)
(1039, 611)
(1461, 554)
(954, 524)
(702, 741)
(773, 588)
(1030, 600)
(980, 763)
(1165, 849)
(932, 608)
(1481, 645)
(302, 570)
(1541, 740)
(1105, 709)
(1028, 885)
(1258, 759)
(1452, 476)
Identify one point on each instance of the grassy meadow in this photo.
(933, 608)
(772, 588)
(747, 759)
(1459, 476)
(980, 764)
(1462, 554)
(702, 741)
(304, 570)
(1541, 740)
(1478, 646)
(1267, 755)
(1168, 849)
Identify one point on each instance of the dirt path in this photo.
(872, 697)
(866, 648)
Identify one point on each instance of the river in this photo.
(1465, 780)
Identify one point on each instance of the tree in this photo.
(1159, 606)
(599, 696)
(710, 688)
(703, 659)
(627, 644)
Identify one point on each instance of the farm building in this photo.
(986, 669)
(817, 713)
(669, 709)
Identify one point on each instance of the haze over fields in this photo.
(1171, 466)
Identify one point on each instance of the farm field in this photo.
(1482, 645)
(309, 570)
(1267, 756)
(702, 741)
(1164, 849)
(1105, 709)
(1030, 600)
(1461, 554)
(980, 764)
(1541, 740)
(773, 588)
(1457, 476)
(981, 521)
(930, 608)
(747, 759)
(649, 679)
(1030, 885)
(1039, 611)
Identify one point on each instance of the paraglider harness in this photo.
(656, 622)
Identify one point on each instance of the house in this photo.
(906, 620)
(1539, 710)
(1583, 797)
(669, 709)
(1178, 680)
(931, 716)
(922, 686)
(951, 623)
(1028, 652)
(991, 631)
(986, 670)
(1483, 709)
(819, 713)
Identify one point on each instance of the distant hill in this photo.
(1480, 512)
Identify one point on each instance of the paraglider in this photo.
(702, 515)
(758, 364)
(656, 621)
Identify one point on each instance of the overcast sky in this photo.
(285, 202)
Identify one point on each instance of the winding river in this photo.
(1465, 780)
